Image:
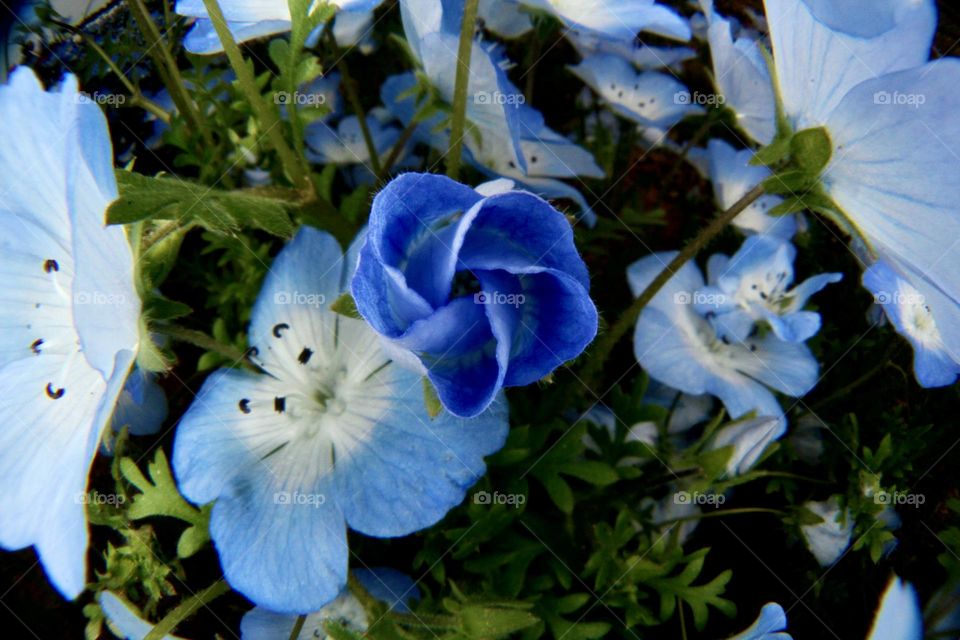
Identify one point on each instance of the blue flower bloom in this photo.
(390, 586)
(476, 292)
(899, 616)
(935, 363)
(741, 76)
(650, 98)
(829, 539)
(748, 440)
(621, 19)
(141, 406)
(345, 144)
(752, 287)
(504, 18)
(642, 56)
(771, 625)
(733, 176)
(248, 20)
(69, 317)
(332, 435)
(891, 118)
(679, 347)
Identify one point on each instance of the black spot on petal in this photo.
(244, 405)
(304, 357)
(279, 328)
(51, 265)
(35, 347)
(279, 404)
(54, 394)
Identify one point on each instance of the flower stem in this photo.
(297, 627)
(187, 608)
(268, 116)
(203, 341)
(168, 69)
(459, 120)
(350, 88)
(623, 324)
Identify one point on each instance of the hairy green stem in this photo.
(203, 341)
(397, 150)
(353, 96)
(623, 324)
(459, 121)
(267, 114)
(187, 608)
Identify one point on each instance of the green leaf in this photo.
(596, 473)
(196, 536)
(345, 305)
(431, 399)
(560, 492)
(157, 307)
(492, 622)
(159, 495)
(773, 153)
(811, 149)
(145, 198)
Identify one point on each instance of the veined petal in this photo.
(899, 616)
(202, 39)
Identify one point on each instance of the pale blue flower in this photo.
(732, 177)
(891, 118)
(69, 317)
(332, 435)
(754, 286)
(829, 539)
(124, 620)
(935, 363)
(649, 98)
(141, 406)
(390, 586)
(345, 144)
(679, 347)
(899, 616)
(248, 20)
(504, 18)
(771, 625)
(622, 19)
(748, 440)
(642, 56)
(741, 76)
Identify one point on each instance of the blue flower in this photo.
(649, 98)
(891, 118)
(899, 616)
(771, 625)
(141, 406)
(748, 440)
(69, 317)
(741, 76)
(733, 176)
(829, 539)
(679, 347)
(332, 435)
(389, 586)
(621, 19)
(248, 20)
(504, 18)
(345, 144)
(476, 292)
(935, 363)
(753, 286)
(642, 56)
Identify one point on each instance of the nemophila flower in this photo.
(679, 347)
(622, 19)
(504, 18)
(333, 434)
(476, 292)
(649, 98)
(124, 620)
(935, 363)
(69, 317)
(732, 177)
(753, 286)
(890, 117)
(899, 616)
(345, 144)
(748, 440)
(248, 20)
(642, 56)
(390, 586)
(741, 76)
(828, 540)
(771, 625)
(141, 406)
